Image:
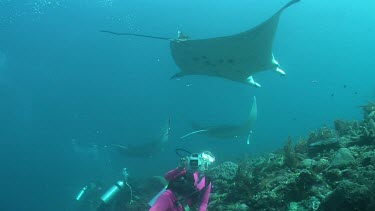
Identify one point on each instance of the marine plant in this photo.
(290, 159)
(301, 146)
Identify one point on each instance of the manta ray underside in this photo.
(236, 57)
(148, 149)
(229, 132)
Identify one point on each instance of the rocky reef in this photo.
(331, 169)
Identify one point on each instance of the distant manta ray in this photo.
(229, 131)
(146, 150)
(236, 57)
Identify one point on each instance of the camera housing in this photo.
(195, 161)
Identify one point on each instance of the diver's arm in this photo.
(205, 198)
(164, 201)
(170, 175)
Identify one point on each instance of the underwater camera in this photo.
(195, 161)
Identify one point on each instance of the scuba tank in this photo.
(108, 196)
(116, 189)
(80, 194)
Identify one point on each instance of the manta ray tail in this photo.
(194, 132)
(136, 35)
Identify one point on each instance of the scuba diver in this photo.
(188, 186)
(92, 198)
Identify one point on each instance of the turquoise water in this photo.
(67, 91)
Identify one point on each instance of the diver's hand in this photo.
(183, 163)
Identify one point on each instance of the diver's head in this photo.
(200, 161)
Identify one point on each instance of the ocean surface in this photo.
(67, 91)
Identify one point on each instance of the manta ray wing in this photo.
(235, 57)
(253, 114)
(147, 149)
(228, 131)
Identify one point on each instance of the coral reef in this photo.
(333, 169)
(347, 196)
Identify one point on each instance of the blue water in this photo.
(61, 81)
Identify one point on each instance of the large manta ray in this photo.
(236, 57)
(229, 131)
(146, 150)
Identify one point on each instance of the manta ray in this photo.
(229, 131)
(236, 57)
(148, 149)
